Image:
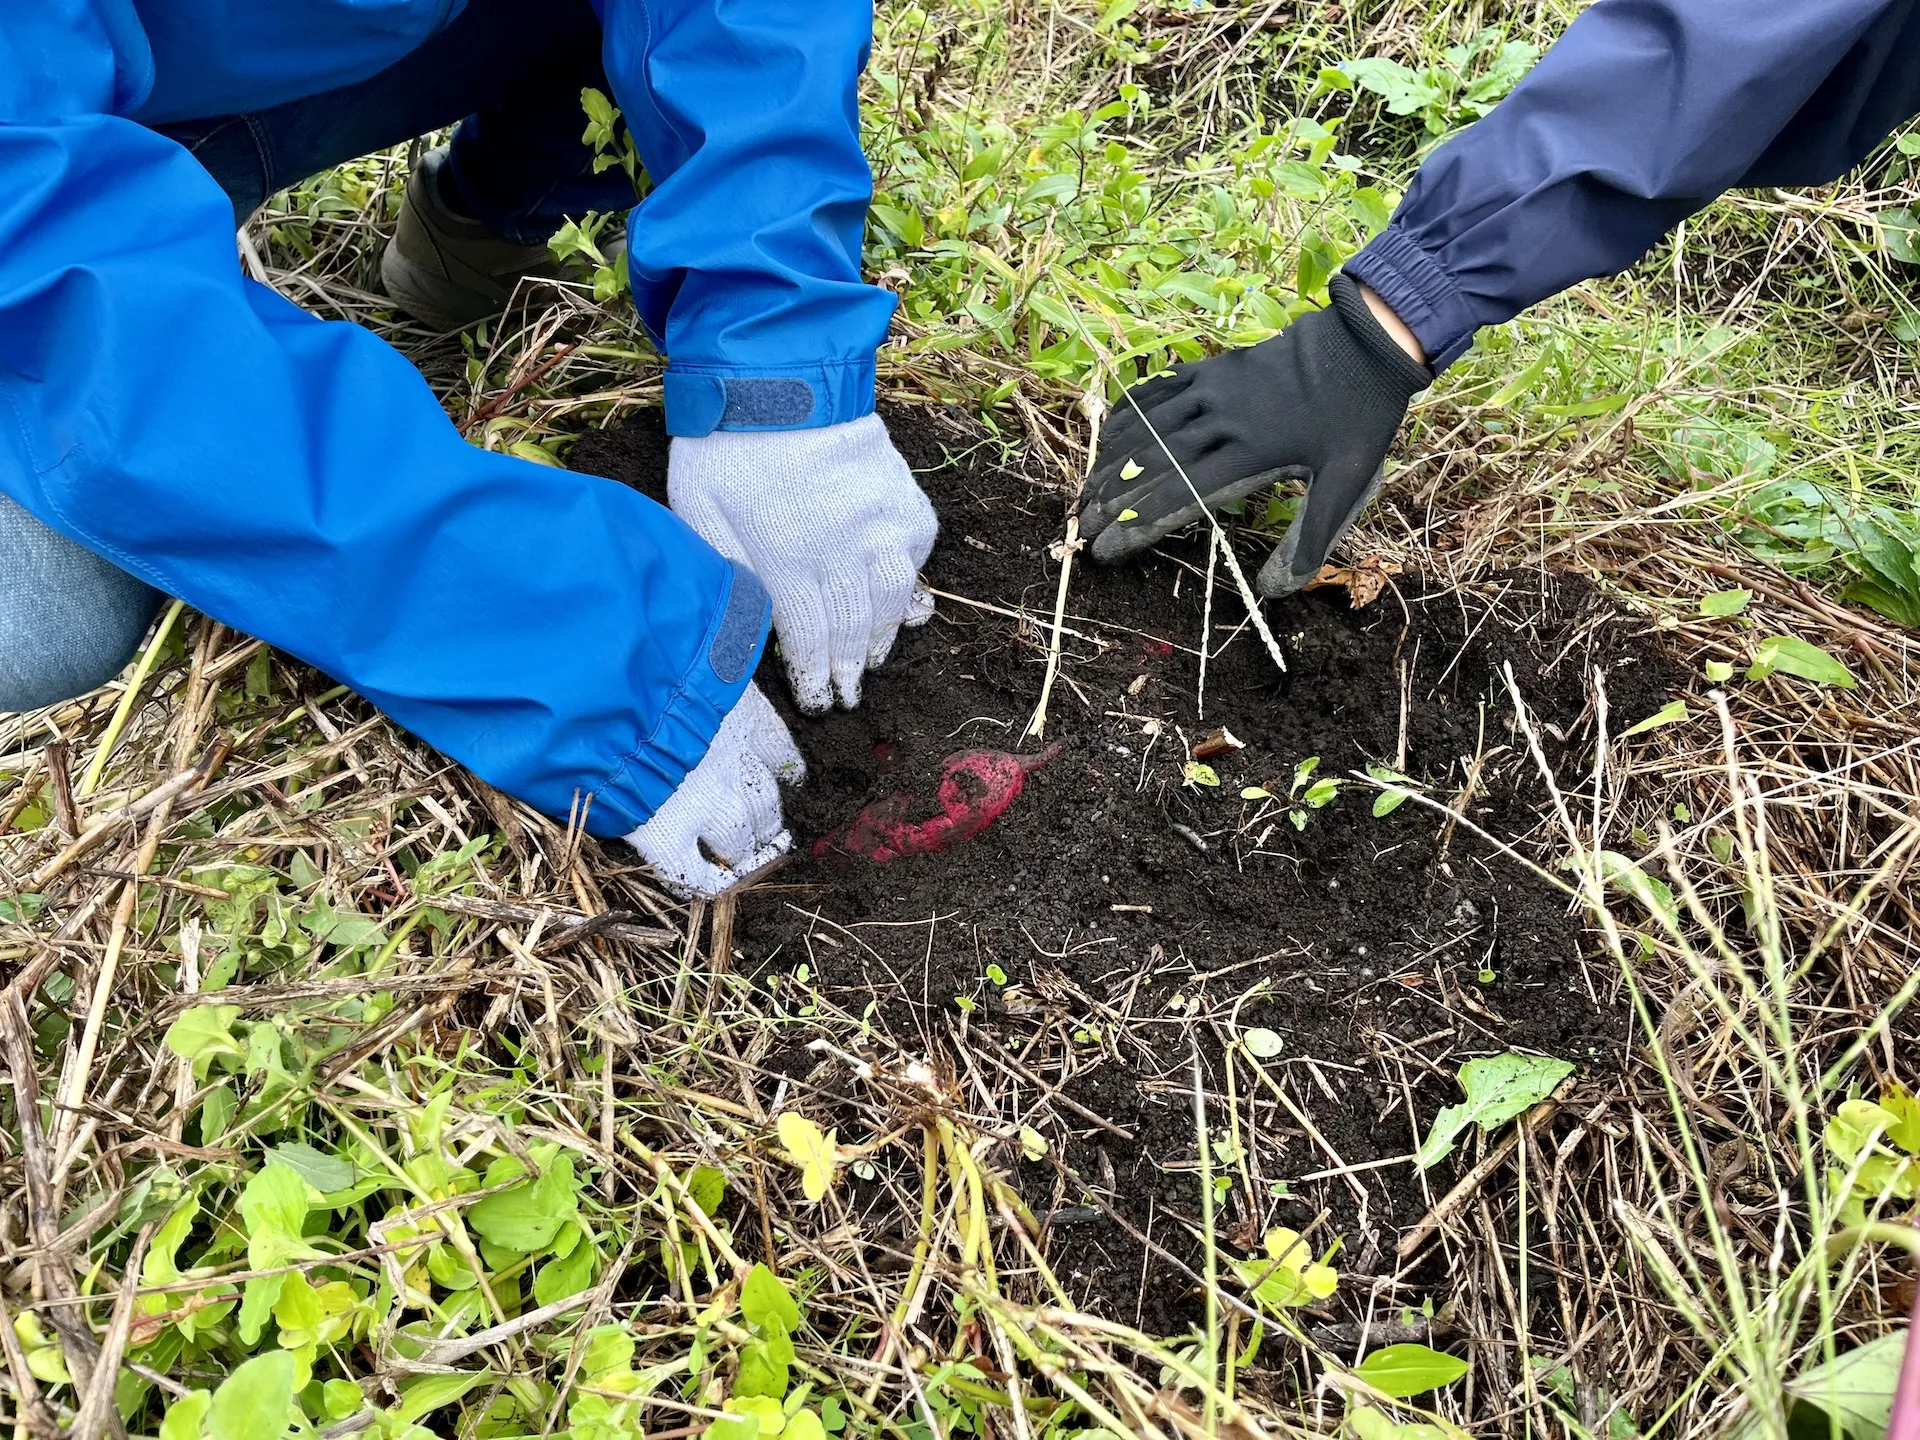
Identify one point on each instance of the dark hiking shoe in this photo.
(446, 269)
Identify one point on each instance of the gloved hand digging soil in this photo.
(1320, 402)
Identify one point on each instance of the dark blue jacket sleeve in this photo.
(1642, 113)
(745, 256)
(298, 480)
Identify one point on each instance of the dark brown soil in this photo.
(1139, 921)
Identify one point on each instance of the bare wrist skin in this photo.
(1392, 324)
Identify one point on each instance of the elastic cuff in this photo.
(1420, 290)
(701, 399)
(730, 651)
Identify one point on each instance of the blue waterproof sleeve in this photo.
(297, 479)
(1642, 113)
(745, 256)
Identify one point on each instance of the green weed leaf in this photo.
(1404, 1370)
(527, 1217)
(1262, 1044)
(1672, 714)
(1194, 772)
(1723, 603)
(1622, 873)
(1285, 1276)
(1498, 1088)
(707, 1187)
(202, 1034)
(764, 1298)
(565, 1275)
(1855, 1389)
(812, 1150)
(185, 1416)
(431, 1392)
(253, 1402)
(325, 1173)
(1797, 657)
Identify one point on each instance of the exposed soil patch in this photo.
(1072, 960)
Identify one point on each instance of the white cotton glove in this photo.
(729, 803)
(832, 523)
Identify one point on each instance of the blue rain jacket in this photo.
(1641, 114)
(297, 479)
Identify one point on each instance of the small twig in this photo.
(1093, 404)
(1470, 1183)
(1206, 632)
(491, 410)
(131, 697)
(161, 794)
(60, 777)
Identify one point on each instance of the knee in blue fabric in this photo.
(69, 621)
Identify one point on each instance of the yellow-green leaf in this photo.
(1404, 1370)
(1797, 657)
(810, 1149)
(1671, 714)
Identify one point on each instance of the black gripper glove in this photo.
(1319, 402)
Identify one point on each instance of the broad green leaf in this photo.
(1321, 792)
(565, 1275)
(1900, 233)
(1262, 1044)
(1723, 603)
(764, 1297)
(707, 1187)
(1622, 873)
(1286, 1276)
(1033, 1145)
(1498, 1088)
(751, 1416)
(527, 1217)
(253, 1403)
(1856, 1388)
(1906, 1112)
(1797, 657)
(811, 1150)
(339, 1398)
(1388, 801)
(1303, 772)
(202, 1033)
(1719, 672)
(609, 1348)
(805, 1425)
(274, 1209)
(1196, 773)
(430, 1392)
(1256, 792)
(185, 1416)
(1368, 1423)
(765, 1363)
(1672, 714)
(1404, 1370)
(325, 1173)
